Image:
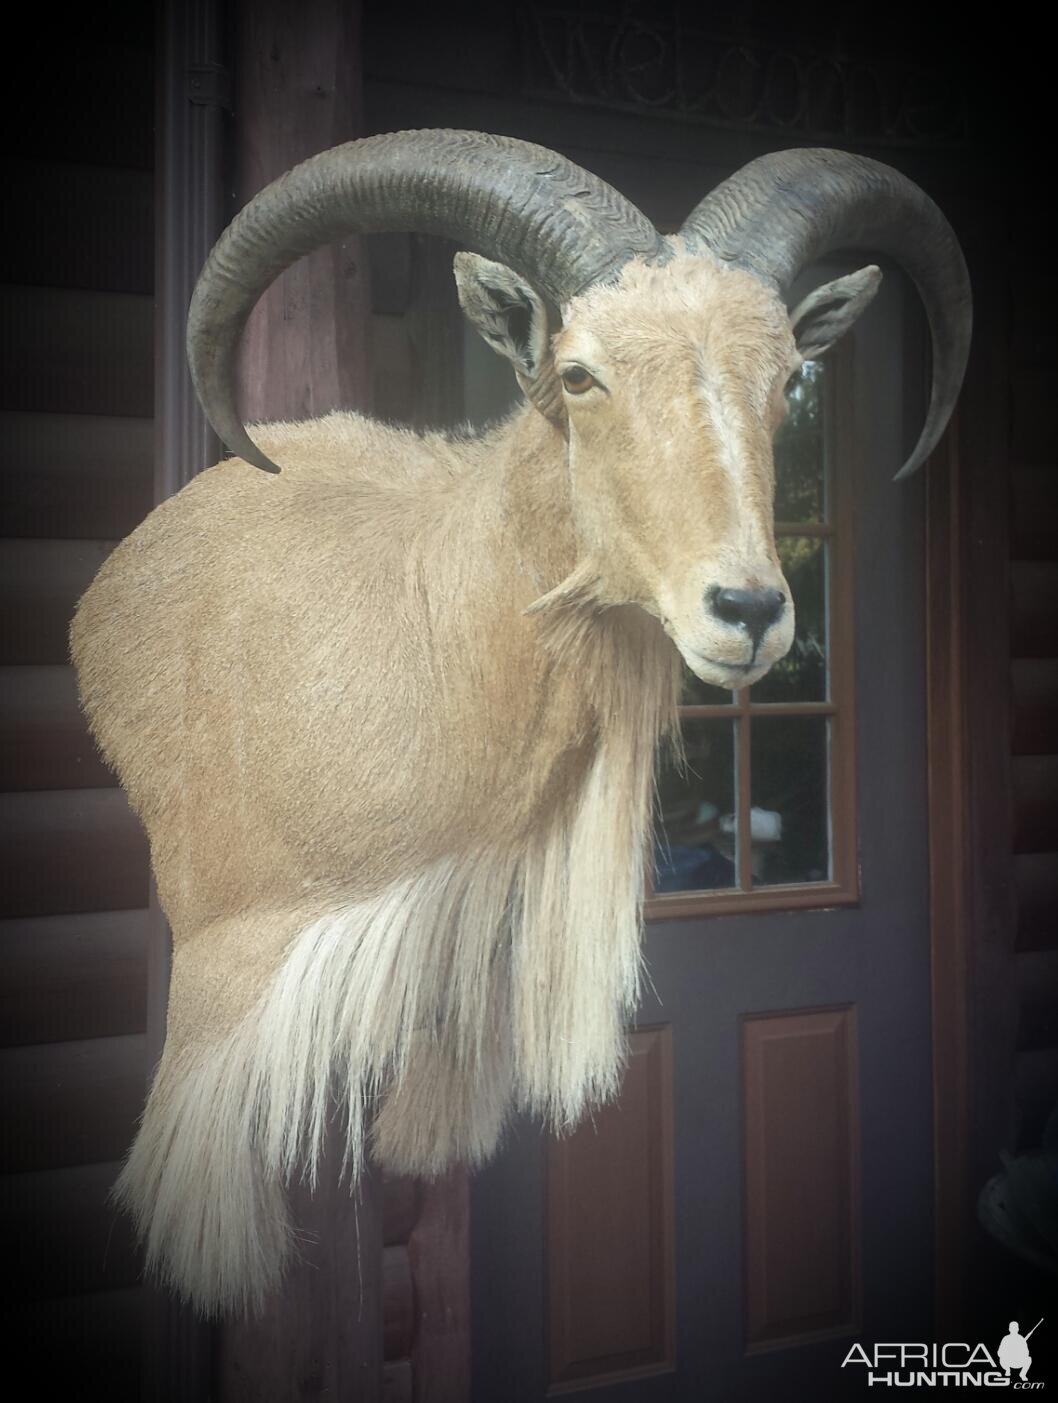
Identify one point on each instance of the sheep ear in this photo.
(507, 312)
(826, 314)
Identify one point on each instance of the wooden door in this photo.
(760, 1197)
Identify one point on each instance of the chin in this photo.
(718, 674)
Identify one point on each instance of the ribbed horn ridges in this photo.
(550, 220)
(783, 211)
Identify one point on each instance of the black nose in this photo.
(756, 609)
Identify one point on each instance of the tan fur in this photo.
(389, 719)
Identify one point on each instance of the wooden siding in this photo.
(72, 850)
(43, 740)
(76, 470)
(77, 476)
(73, 351)
(1033, 380)
(42, 581)
(63, 1237)
(95, 1336)
(74, 977)
(61, 218)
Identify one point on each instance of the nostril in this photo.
(754, 609)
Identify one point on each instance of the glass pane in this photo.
(802, 674)
(694, 838)
(799, 490)
(698, 693)
(788, 785)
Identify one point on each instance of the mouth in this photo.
(720, 673)
(729, 667)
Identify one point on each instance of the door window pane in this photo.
(799, 464)
(788, 787)
(802, 674)
(698, 693)
(695, 834)
(788, 740)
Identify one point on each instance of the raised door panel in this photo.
(610, 1234)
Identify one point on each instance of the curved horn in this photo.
(782, 211)
(524, 205)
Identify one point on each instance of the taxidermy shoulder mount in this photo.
(389, 709)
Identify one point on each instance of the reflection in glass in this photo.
(788, 785)
(698, 693)
(694, 841)
(802, 674)
(799, 493)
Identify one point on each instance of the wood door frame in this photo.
(969, 797)
(948, 864)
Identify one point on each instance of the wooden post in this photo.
(297, 91)
(321, 1336)
(191, 93)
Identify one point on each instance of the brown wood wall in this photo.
(75, 476)
(1008, 536)
(1033, 374)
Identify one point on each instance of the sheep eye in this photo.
(577, 380)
